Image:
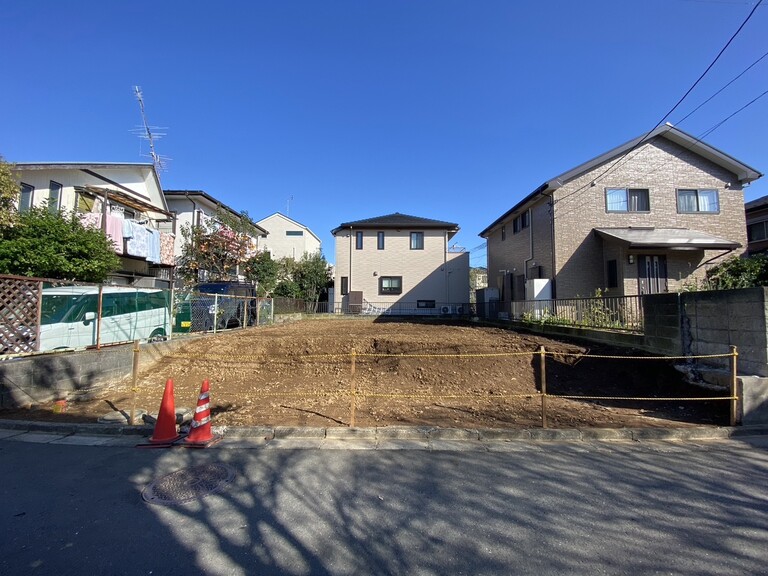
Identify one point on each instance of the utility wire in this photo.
(643, 139)
(684, 118)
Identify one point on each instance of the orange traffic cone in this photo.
(165, 433)
(200, 434)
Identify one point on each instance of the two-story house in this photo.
(756, 213)
(288, 238)
(125, 200)
(399, 263)
(647, 216)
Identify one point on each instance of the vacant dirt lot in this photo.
(300, 374)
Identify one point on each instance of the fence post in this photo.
(98, 316)
(543, 376)
(734, 385)
(135, 374)
(215, 312)
(353, 403)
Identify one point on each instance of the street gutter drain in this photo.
(188, 484)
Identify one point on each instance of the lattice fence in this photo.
(19, 314)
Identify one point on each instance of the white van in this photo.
(69, 316)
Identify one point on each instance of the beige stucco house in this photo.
(399, 264)
(645, 217)
(287, 238)
(125, 200)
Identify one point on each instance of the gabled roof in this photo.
(744, 173)
(398, 221)
(182, 194)
(284, 217)
(757, 203)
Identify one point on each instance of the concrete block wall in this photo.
(713, 321)
(661, 318)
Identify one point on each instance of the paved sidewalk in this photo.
(388, 438)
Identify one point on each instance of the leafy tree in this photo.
(53, 245)
(288, 289)
(218, 246)
(312, 275)
(264, 271)
(736, 272)
(9, 193)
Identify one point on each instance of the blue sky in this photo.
(445, 109)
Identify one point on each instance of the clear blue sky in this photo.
(445, 109)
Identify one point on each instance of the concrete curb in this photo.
(415, 432)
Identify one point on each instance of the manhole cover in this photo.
(188, 484)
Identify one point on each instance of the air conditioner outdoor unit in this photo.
(445, 309)
(459, 309)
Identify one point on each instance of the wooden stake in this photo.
(353, 402)
(543, 377)
(734, 386)
(134, 389)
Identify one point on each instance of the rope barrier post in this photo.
(135, 374)
(543, 377)
(353, 403)
(733, 361)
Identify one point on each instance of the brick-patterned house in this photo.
(399, 263)
(644, 217)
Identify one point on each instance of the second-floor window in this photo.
(380, 240)
(757, 231)
(358, 240)
(294, 232)
(691, 201)
(627, 200)
(54, 196)
(26, 197)
(521, 222)
(417, 240)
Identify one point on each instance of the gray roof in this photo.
(669, 238)
(744, 173)
(180, 194)
(397, 221)
(761, 202)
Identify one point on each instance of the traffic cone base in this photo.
(165, 433)
(200, 433)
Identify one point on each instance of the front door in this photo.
(652, 274)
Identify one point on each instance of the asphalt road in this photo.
(518, 508)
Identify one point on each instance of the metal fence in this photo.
(39, 315)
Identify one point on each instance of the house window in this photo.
(627, 200)
(390, 285)
(380, 240)
(344, 285)
(85, 202)
(757, 231)
(25, 199)
(358, 240)
(417, 240)
(425, 303)
(691, 201)
(503, 233)
(54, 196)
(521, 222)
(294, 232)
(612, 280)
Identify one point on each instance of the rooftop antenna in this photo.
(288, 206)
(145, 133)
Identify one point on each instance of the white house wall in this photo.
(281, 245)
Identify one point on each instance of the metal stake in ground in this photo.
(734, 386)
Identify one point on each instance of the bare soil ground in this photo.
(300, 374)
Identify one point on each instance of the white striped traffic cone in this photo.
(200, 434)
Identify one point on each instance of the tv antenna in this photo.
(145, 133)
(288, 206)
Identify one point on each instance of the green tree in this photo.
(9, 193)
(264, 271)
(54, 245)
(312, 275)
(219, 246)
(736, 272)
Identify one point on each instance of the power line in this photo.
(643, 139)
(723, 88)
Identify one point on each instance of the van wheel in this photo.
(157, 336)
